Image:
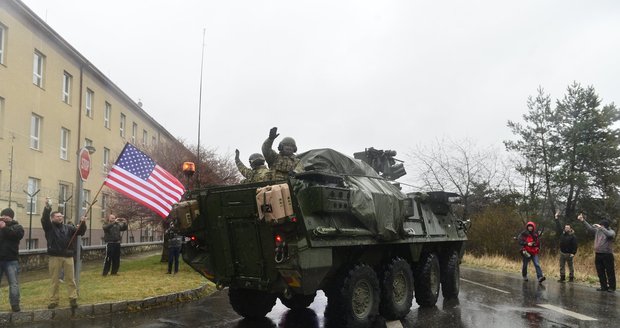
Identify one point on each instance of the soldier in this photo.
(258, 172)
(284, 162)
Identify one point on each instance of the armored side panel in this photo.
(338, 212)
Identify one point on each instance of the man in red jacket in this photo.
(530, 246)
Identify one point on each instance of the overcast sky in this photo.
(343, 74)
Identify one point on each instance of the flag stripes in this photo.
(138, 177)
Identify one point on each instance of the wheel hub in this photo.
(362, 299)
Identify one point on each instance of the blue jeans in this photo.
(11, 268)
(534, 259)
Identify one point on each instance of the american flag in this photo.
(138, 177)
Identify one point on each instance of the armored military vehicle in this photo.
(337, 224)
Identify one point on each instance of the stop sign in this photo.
(84, 163)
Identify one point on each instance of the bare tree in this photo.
(459, 167)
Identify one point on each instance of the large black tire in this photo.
(249, 303)
(396, 290)
(427, 280)
(297, 301)
(450, 275)
(356, 303)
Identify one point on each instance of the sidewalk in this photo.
(28, 316)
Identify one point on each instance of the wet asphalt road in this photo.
(486, 299)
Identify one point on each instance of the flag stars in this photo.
(136, 162)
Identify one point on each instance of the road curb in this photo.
(99, 309)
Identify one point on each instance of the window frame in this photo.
(33, 185)
(63, 189)
(35, 140)
(89, 102)
(38, 67)
(3, 33)
(67, 86)
(65, 134)
(107, 113)
(123, 125)
(106, 159)
(134, 132)
(85, 199)
(145, 137)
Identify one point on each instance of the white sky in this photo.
(343, 74)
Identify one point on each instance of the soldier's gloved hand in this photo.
(273, 133)
(236, 154)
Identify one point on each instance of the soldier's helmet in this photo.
(256, 160)
(290, 142)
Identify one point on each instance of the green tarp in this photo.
(375, 202)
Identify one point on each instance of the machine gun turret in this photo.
(383, 162)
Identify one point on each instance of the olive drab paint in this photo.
(334, 224)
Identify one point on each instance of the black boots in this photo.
(562, 279)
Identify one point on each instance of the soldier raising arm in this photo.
(283, 162)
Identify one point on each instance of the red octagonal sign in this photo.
(84, 164)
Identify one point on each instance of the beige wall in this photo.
(25, 33)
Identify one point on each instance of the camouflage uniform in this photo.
(261, 173)
(280, 165)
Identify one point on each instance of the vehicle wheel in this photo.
(450, 275)
(396, 290)
(356, 303)
(426, 280)
(250, 303)
(298, 301)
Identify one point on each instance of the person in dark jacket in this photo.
(11, 232)
(112, 236)
(530, 246)
(603, 253)
(61, 240)
(175, 241)
(568, 249)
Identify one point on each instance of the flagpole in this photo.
(85, 214)
(202, 58)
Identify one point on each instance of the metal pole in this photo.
(202, 60)
(78, 238)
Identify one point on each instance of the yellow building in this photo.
(53, 102)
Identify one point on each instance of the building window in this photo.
(104, 205)
(37, 69)
(145, 137)
(33, 188)
(2, 42)
(107, 112)
(90, 97)
(32, 243)
(64, 143)
(153, 141)
(106, 159)
(63, 197)
(1, 117)
(134, 131)
(123, 118)
(66, 87)
(35, 131)
(86, 200)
